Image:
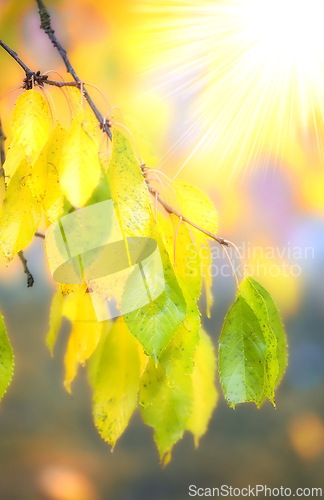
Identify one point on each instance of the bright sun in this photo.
(285, 32)
(251, 72)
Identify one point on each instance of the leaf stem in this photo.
(232, 267)
(231, 244)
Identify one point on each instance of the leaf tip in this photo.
(166, 459)
(67, 386)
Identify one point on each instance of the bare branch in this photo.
(171, 210)
(46, 25)
(40, 235)
(2, 150)
(58, 83)
(30, 278)
(14, 55)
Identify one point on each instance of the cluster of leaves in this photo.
(157, 356)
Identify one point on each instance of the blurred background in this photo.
(215, 97)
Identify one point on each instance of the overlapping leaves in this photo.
(252, 347)
(156, 355)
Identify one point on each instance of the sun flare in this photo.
(247, 76)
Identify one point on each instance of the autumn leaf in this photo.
(79, 169)
(19, 216)
(31, 122)
(114, 374)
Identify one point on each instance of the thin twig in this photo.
(2, 150)
(14, 55)
(46, 25)
(171, 210)
(40, 235)
(30, 278)
(59, 83)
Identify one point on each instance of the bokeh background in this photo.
(172, 72)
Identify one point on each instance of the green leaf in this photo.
(155, 323)
(277, 328)
(204, 391)
(166, 409)
(114, 375)
(242, 355)
(128, 189)
(179, 354)
(257, 303)
(6, 359)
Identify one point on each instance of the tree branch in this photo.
(38, 78)
(2, 150)
(14, 55)
(30, 278)
(40, 235)
(171, 210)
(46, 25)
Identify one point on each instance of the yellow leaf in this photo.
(37, 178)
(67, 290)
(80, 106)
(44, 180)
(20, 214)
(14, 157)
(196, 206)
(53, 199)
(55, 319)
(85, 334)
(114, 374)
(31, 123)
(79, 167)
(204, 391)
(2, 189)
(182, 252)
